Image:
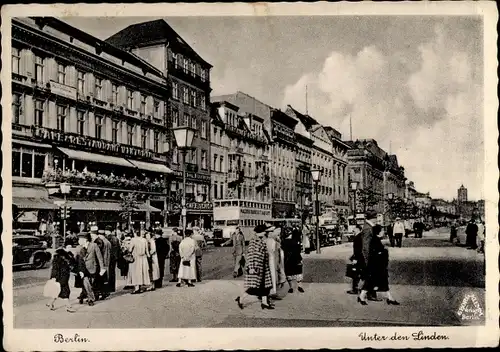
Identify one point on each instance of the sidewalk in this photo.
(211, 304)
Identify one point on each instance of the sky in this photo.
(413, 83)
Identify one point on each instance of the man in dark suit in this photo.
(115, 252)
(162, 249)
(100, 287)
(90, 266)
(471, 234)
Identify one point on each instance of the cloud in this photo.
(425, 102)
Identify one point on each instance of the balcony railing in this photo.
(82, 178)
(245, 134)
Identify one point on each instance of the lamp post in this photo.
(316, 176)
(354, 187)
(184, 138)
(65, 189)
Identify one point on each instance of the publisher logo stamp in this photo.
(470, 309)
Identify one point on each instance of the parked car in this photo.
(29, 251)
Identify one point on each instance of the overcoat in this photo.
(258, 274)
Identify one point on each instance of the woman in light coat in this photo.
(154, 268)
(139, 269)
(187, 267)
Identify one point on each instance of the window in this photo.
(98, 88)
(175, 155)
(130, 99)
(203, 74)
(203, 103)
(114, 131)
(175, 90)
(194, 156)
(39, 64)
(156, 105)
(143, 104)
(214, 166)
(193, 69)
(186, 95)
(80, 122)
(215, 189)
(39, 112)
(204, 129)
(186, 121)
(175, 59)
(193, 122)
(61, 74)
(98, 126)
(61, 117)
(130, 134)
(144, 138)
(16, 60)
(80, 82)
(27, 163)
(156, 146)
(221, 164)
(16, 108)
(114, 93)
(175, 118)
(186, 65)
(204, 159)
(193, 98)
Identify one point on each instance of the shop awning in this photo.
(96, 158)
(33, 203)
(106, 206)
(31, 144)
(151, 166)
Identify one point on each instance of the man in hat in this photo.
(115, 253)
(399, 231)
(162, 248)
(90, 266)
(238, 242)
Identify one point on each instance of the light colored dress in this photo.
(187, 252)
(139, 269)
(155, 267)
(271, 250)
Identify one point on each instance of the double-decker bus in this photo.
(230, 213)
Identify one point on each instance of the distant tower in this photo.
(462, 194)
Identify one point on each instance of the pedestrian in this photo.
(356, 266)
(292, 248)
(106, 256)
(272, 249)
(175, 258)
(154, 269)
(258, 280)
(162, 248)
(115, 254)
(390, 233)
(200, 244)
(471, 234)
(480, 236)
(126, 258)
(187, 267)
(139, 268)
(62, 265)
(237, 240)
(376, 277)
(453, 231)
(399, 231)
(90, 266)
(306, 239)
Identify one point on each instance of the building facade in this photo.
(77, 119)
(303, 182)
(188, 78)
(462, 194)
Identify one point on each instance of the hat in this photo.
(370, 214)
(100, 231)
(94, 228)
(85, 235)
(398, 218)
(263, 228)
(109, 228)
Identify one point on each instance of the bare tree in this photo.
(129, 205)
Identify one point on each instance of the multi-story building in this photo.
(188, 77)
(240, 154)
(444, 207)
(77, 118)
(462, 194)
(410, 192)
(303, 182)
(377, 174)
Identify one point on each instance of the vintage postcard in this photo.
(250, 176)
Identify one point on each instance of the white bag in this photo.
(52, 289)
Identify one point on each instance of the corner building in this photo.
(188, 79)
(77, 118)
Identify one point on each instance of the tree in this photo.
(129, 205)
(367, 198)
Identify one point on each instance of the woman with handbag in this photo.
(187, 268)
(293, 259)
(62, 265)
(139, 268)
(154, 269)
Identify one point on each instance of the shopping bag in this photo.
(52, 289)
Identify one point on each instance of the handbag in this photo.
(52, 289)
(351, 271)
(186, 262)
(129, 258)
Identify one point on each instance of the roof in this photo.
(306, 120)
(105, 46)
(153, 33)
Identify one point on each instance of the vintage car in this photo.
(29, 251)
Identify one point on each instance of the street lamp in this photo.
(316, 176)
(65, 189)
(184, 138)
(354, 187)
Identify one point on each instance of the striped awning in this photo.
(142, 165)
(107, 206)
(33, 203)
(93, 157)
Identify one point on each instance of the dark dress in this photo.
(62, 265)
(162, 248)
(175, 259)
(377, 274)
(293, 258)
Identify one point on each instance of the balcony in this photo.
(189, 76)
(98, 180)
(242, 133)
(263, 159)
(236, 151)
(234, 178)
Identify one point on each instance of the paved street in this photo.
(428, 276)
